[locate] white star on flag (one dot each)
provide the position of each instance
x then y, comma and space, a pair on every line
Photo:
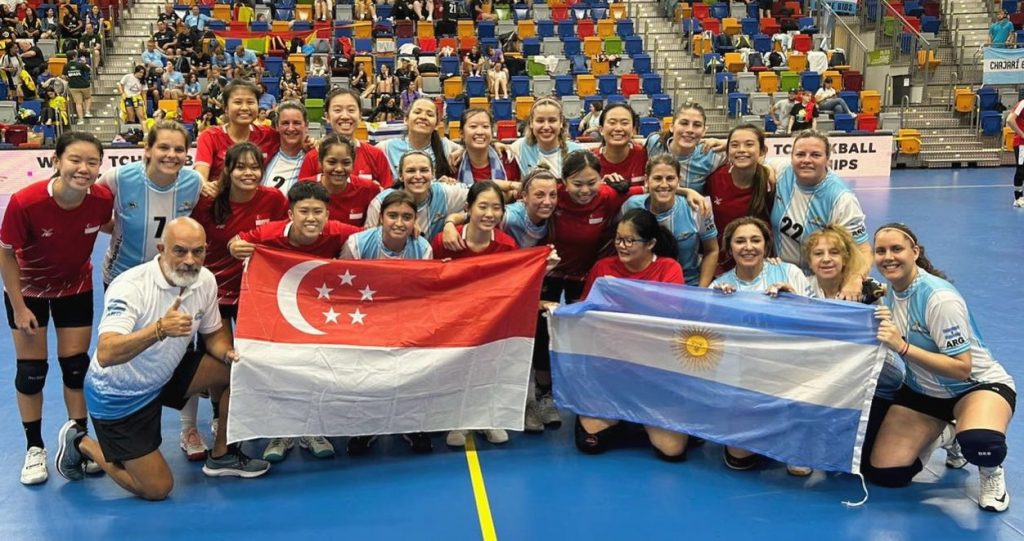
331, 316
367, 294
357, 317
324, 291
347, 277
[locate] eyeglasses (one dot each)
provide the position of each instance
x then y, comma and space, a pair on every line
626, 242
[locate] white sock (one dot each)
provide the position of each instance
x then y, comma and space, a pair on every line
189, 412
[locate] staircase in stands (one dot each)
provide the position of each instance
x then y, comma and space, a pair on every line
129, 39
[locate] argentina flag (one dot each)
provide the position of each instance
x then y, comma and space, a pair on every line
791, 378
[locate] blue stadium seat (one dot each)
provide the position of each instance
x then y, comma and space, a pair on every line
571, 46
651, 83
502, 109
607, 84
642, 63
520, 86
661, 105
649, 125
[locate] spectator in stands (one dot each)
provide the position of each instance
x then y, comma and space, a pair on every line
32, 58
165, 36
267, 101
1018, 18
131, 88
79, 77
173, 83
208, 119
90, 41
154, 85
7, 17
10, 67
322, 10
406, 74
498, 77
828, 100
387, 109
590, 124
781, 108
55, 112
409, 95
200, 62
364, 10
70, 24
1000, 30
386, 83
481, 10
50, 25
95, 16
319, 67
193, 90
30, 27
473, 62
186, 41
291, 83
262, 119
246, 62
403, 11
212, 96
494, 55
222, 61
169, 16
197, 20
804, 114
152, 57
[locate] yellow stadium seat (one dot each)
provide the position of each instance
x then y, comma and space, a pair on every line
523, 106
870, 102
452, 87
734, 62
768, 81
586, 85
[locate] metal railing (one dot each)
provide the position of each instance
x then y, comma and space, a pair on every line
854, 48
919, 44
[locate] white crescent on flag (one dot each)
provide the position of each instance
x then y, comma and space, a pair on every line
287, 296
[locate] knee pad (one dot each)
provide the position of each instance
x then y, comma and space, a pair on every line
592, 444
982, 447
893, 477
73, 369
31, 376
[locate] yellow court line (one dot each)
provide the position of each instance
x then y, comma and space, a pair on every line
483, 508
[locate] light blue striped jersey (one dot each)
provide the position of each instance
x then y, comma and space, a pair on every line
516, 223
395, 148
368, 244
687, 227
934, 317
771, 274
695, 168
282, 171
141, 210
800, 211
530, 156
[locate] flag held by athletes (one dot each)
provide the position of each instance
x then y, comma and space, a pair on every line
791, 378
345, 348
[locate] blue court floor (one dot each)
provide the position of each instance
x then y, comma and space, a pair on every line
539, 487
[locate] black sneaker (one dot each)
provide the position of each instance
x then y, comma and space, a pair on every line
745, 463
360, 445
69, 459
420, 442
236, 464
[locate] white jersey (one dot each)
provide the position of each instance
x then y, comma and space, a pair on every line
934, 317
282, 171
771, 274
136, 299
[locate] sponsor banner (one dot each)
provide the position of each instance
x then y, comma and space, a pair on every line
1003, 66
856, 157
23, 167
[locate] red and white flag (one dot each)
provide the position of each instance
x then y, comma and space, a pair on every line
346, 348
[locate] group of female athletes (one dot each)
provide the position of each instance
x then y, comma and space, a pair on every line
674, 208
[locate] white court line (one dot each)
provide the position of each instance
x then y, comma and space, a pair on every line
950, 187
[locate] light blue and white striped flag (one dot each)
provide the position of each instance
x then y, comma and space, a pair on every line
791, 378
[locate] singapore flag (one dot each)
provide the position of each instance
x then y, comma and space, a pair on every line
345, 348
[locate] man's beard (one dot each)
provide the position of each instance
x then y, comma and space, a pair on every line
179, 278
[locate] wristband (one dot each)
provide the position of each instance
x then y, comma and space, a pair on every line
160, 331
906, 348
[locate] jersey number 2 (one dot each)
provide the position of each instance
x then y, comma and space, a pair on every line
791, 229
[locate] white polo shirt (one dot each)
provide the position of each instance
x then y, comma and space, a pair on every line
137, 298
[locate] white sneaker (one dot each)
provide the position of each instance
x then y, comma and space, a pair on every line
34, 470
317, 445
547, 411
954, 456
277, 449
496, 435
456, 438
1019, 202
993, 495
192, 445
91, 467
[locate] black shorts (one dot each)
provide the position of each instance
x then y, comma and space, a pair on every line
138, 434
942, 408
70, 311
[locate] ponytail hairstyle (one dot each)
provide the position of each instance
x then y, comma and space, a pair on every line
841, 239
647, 228
761, 199
613, 106
563, 132
666, 136
766, 232
440, 161
542, 171
664, 159
221, 208
336, 139
579, 160
399, 184
814, 134
922, 261
398, 197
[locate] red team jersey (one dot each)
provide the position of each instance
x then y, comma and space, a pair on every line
633, 168
502, 242
214, 142
1019, 111
349, 205
662, 269
53, 245
484, 173
328, 246
580, 231
371, 165
728, 203
266, 206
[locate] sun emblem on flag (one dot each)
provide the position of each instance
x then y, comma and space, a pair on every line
698, 348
